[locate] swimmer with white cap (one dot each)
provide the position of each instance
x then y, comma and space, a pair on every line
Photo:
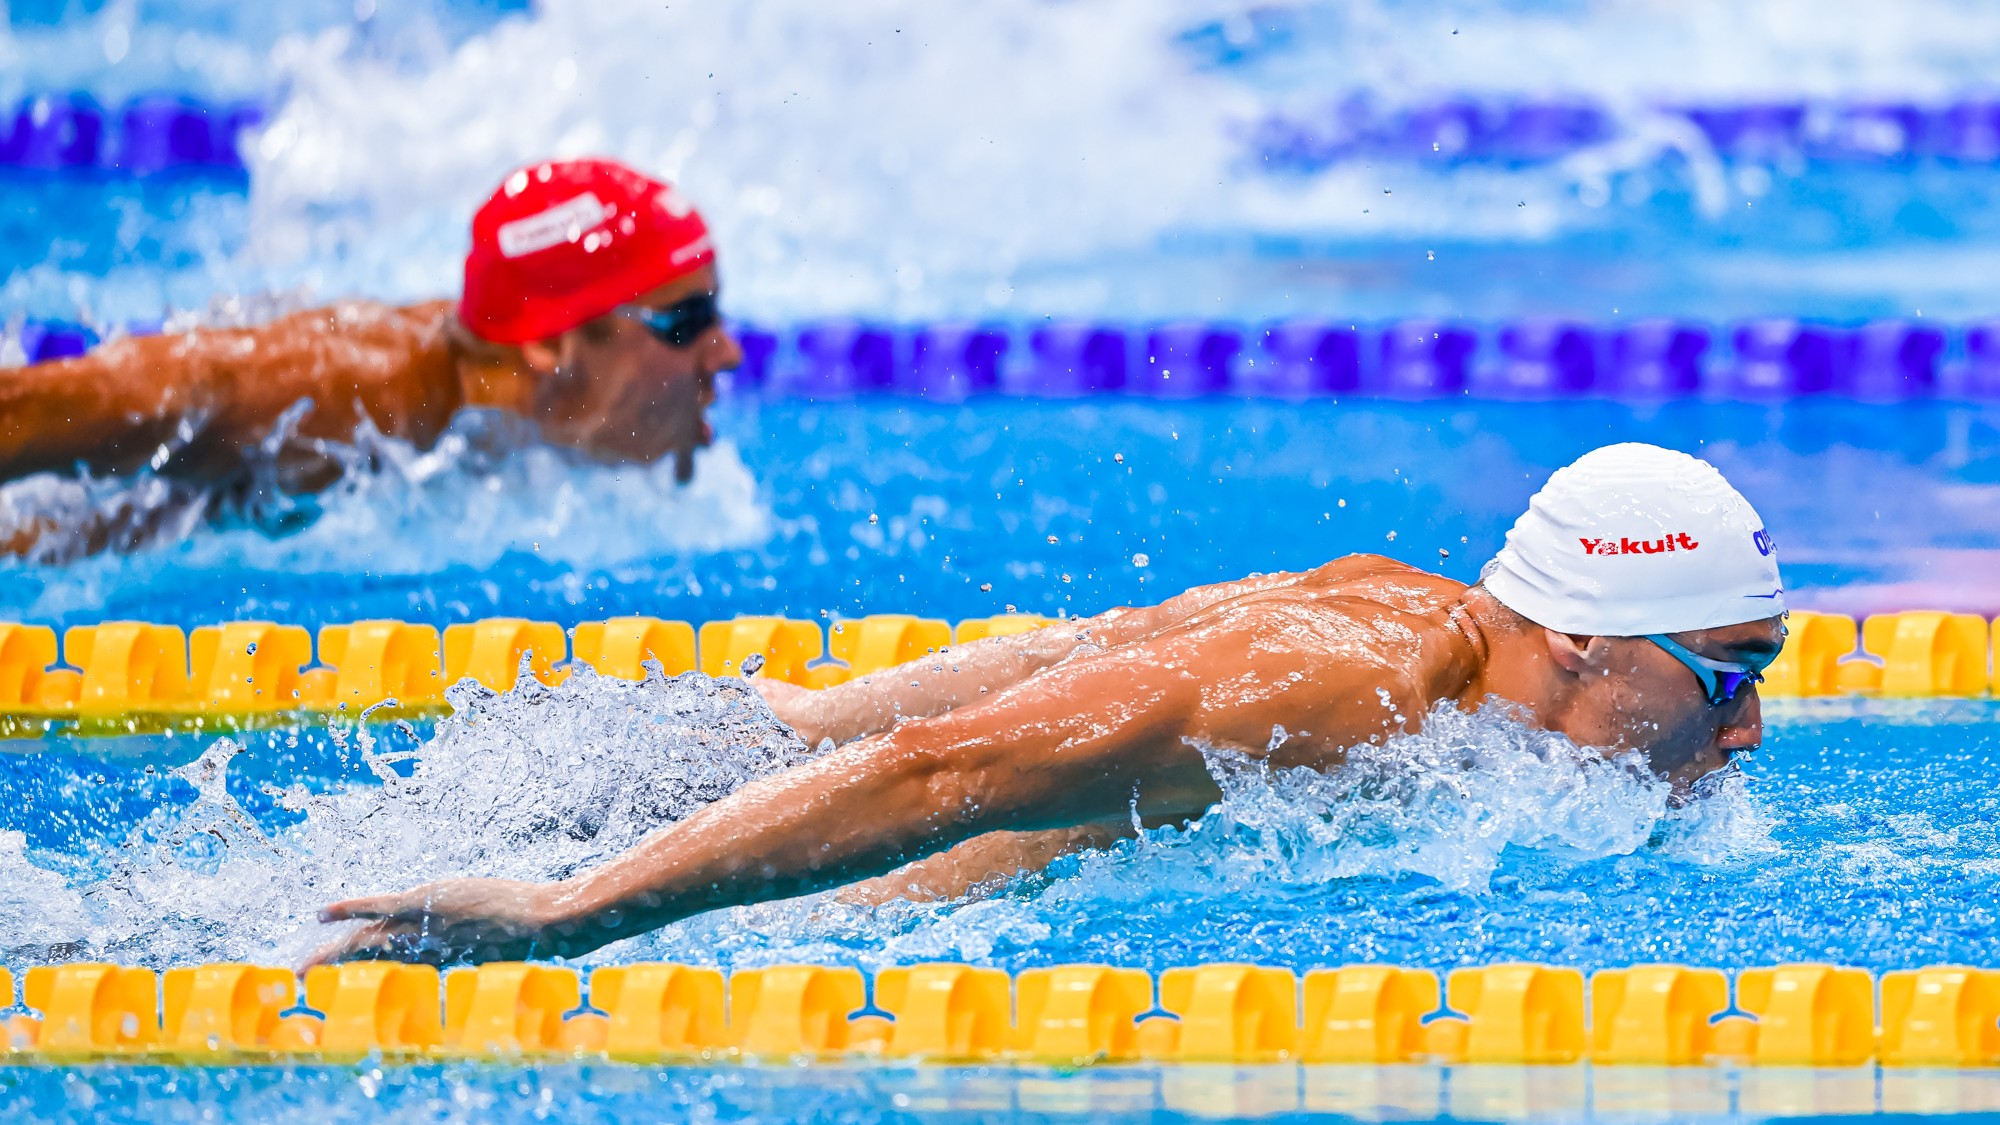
1633, 608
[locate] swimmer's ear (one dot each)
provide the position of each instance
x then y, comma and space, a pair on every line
541, 356
1574, 652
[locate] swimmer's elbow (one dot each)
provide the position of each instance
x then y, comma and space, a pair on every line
956, 785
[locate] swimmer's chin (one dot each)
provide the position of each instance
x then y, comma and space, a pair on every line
1689, 780
1686, 791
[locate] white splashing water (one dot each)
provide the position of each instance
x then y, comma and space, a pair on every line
480, 493
531, 784
500, 492
904, 158
910, 158
848, 155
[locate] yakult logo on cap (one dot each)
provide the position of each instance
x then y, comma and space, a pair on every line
1679, 541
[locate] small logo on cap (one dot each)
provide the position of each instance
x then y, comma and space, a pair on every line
565, 222
1763, 540
1679, 541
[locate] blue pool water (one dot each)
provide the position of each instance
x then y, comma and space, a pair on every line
896, 1094
892, 505
1018, 161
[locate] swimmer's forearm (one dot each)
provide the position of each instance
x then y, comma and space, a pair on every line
108, 410
1078, 745
859, 812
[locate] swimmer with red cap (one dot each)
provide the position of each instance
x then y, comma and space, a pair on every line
589, 309
1633, 609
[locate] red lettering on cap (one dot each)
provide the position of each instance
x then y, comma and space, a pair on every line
1678, 541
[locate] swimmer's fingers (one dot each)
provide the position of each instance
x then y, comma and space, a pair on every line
405, 905
792, 704
369, 942
502, 900
479, 919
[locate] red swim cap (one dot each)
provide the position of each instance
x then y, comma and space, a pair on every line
567, 241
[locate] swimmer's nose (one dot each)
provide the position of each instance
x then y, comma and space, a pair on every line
1743, 727
719, 351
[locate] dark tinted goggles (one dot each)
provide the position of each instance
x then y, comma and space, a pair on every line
680, 324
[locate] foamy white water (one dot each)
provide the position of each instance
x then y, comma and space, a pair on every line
478, 494
528, 785
916, 159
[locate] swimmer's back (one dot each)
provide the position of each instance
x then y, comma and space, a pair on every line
1398, 617
1391, 625
212, 395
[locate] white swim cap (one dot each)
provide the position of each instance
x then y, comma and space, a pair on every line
1633, 539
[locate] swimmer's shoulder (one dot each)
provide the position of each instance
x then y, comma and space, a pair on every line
368, 325
392, 363
396, 363
1411, 613
1396, 585
364, 329
1374, 582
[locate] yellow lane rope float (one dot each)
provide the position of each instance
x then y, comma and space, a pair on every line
1648, 1015
132, 673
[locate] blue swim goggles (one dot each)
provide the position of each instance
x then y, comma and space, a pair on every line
1721, 680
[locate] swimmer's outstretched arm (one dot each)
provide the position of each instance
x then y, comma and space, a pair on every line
963, 675
108, 410
210, 394
1103, 735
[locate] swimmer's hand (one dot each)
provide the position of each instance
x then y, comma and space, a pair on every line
796, 707
447, 921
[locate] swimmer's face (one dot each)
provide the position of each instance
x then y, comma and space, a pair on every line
621, 393
1635, 696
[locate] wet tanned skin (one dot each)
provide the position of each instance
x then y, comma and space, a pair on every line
211, 397
1057, 736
